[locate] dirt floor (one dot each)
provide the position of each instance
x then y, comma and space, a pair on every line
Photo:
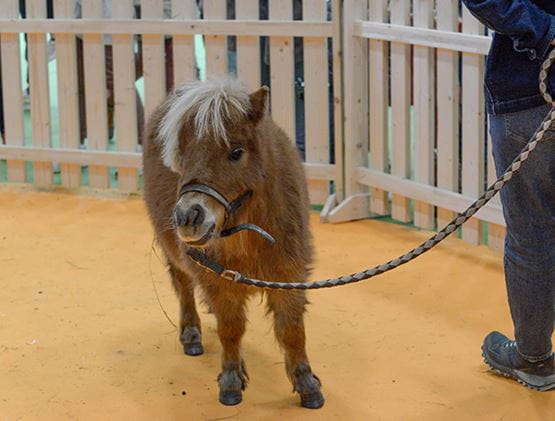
83, 337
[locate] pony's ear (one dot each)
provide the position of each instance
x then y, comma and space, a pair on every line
258, 100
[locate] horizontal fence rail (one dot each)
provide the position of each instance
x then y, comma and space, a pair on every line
170, 27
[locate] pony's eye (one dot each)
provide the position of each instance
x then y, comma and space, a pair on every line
236, 154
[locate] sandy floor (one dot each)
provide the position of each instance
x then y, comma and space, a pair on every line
82, 335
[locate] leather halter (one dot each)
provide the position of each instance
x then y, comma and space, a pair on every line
230, 208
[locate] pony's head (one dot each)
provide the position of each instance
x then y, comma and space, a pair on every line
209, 136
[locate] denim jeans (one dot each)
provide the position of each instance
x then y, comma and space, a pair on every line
529, 209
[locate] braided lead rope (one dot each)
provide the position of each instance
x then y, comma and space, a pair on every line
441, 235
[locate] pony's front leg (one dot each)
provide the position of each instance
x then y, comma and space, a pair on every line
229, 310
288, 308
189, 321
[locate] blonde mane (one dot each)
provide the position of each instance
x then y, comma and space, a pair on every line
210, 105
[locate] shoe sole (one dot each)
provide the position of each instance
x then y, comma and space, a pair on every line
507, 372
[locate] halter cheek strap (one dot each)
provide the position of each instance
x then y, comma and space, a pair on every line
230, 208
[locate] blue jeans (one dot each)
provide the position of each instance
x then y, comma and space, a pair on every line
529, 209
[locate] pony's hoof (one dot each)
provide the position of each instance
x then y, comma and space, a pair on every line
312, 400
231, 397
193, 349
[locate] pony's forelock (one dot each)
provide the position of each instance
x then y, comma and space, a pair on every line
211, 103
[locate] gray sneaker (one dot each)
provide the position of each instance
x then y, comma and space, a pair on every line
502, 356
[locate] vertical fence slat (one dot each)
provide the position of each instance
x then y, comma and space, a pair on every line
68, 95
447, 107
316, 99
11, 89
424, 111
473, 127
355, 68
400, 108
378, 68
496, 233
40, 97
216, 45
153, 59
125, 97
183, 45
95, 94
337, 52
248, 47
282, 71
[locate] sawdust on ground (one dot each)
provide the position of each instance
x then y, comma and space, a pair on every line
82, 335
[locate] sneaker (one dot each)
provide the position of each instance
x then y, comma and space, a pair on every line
502, 356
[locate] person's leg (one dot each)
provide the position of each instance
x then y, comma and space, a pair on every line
529, 209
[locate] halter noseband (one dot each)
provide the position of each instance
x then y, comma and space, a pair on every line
230, 208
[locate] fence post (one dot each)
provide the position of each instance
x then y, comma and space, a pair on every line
216, 45
184, 65
473, 127
95, 94
248, 47
424, 113
40, 96
125, 96
282, 71
316, 101
154, 59
447, 108
378, 68
400, 109
11, 90
68, 93
355, 115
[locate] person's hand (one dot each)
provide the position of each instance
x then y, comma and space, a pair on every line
553, 42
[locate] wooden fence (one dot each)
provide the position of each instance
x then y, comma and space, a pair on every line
415, 129
409, 135
101, 160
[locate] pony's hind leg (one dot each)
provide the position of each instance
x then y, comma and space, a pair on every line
189, 321
229, 310
288, 308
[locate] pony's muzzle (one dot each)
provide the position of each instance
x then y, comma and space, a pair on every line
197, 218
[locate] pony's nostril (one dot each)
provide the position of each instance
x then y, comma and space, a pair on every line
179, 217
195, 216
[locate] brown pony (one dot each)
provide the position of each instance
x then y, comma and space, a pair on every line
215, 134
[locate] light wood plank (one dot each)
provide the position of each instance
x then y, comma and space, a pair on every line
95, 94
119, 159
153, 59
184, 66
355, 67
40, 96
248, 47
400, 109
316, 100
286, 28
434, 38
445, 199
125, 98
378, 67
68, 94
282, 71
447, 108
11, 88
337, 51
473, 128
216, 45
424, 112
